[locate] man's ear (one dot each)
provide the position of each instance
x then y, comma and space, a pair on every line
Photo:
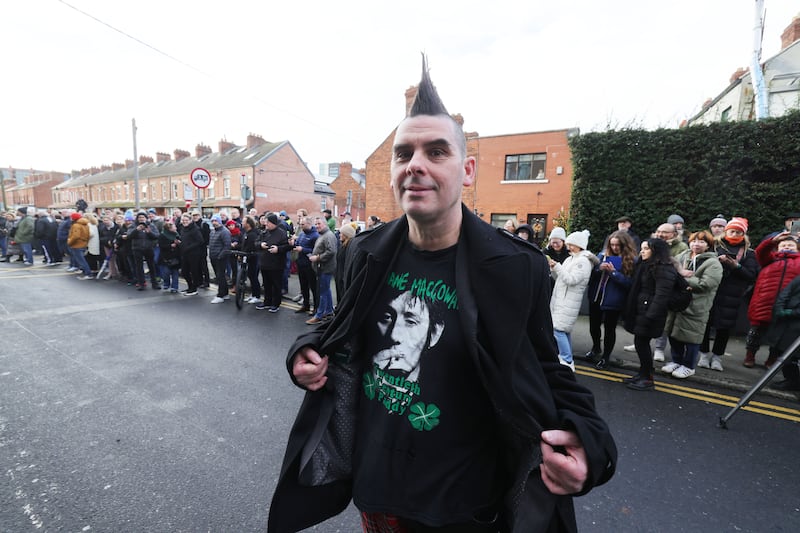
469, 171
436, 334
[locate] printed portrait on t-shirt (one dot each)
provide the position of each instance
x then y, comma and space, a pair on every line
409, 326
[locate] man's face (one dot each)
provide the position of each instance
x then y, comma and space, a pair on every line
234, 213
320, 225
186, 220
405, 326
428, 169
789, 245
306, 224
624, 225
141, 219
665, 232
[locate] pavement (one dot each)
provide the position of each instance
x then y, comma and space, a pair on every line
735, 377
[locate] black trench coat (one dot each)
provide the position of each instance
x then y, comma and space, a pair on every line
509, 337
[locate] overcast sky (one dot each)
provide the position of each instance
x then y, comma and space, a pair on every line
330, 76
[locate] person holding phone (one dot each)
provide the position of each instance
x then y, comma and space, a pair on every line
791, 223
608, 290
739, 271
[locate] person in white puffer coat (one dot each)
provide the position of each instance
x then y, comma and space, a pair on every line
571, 277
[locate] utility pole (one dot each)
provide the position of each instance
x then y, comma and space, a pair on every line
760, 96
135, 167
3, 188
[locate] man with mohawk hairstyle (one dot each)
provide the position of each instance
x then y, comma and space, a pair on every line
427, 404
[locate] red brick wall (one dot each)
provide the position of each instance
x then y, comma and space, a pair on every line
380, 201
288, 183
495, 196
341, 185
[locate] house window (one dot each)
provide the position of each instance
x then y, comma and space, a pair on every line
349, 199
499, 219
726, 114
153, 192
525, 167
163, 191
323, 204
127, 192
144, 192
226, 188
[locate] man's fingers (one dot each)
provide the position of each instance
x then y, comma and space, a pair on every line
558, 437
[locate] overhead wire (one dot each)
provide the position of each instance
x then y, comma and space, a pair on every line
252, 96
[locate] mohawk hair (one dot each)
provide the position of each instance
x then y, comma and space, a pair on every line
427, 101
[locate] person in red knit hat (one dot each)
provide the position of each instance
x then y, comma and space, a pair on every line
739, 271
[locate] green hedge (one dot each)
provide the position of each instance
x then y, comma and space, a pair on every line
749, 169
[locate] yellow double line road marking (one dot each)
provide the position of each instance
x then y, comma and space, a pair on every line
786, 413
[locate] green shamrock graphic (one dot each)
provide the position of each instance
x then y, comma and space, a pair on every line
424, 417
370, 385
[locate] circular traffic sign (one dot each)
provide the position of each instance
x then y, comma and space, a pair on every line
200, 178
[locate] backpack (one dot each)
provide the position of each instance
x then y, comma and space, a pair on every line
681, 295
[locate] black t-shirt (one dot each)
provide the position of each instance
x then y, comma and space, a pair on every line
427, 443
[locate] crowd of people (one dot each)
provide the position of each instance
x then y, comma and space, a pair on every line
637, 281
141, 247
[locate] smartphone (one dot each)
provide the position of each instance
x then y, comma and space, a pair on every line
795, 229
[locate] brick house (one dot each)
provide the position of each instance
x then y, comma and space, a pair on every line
275, 174
526, 176
35, 189
350, 189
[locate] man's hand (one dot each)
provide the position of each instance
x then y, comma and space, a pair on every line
309, 368
563, 472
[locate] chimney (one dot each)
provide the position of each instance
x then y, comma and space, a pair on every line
254, 140
118, 166
791, 33
201, 150
459, 119
162, 157
345, 169
225, 146
145, 159
411, 94
181, 154
105, 168
738, 74
707, 103
129, 163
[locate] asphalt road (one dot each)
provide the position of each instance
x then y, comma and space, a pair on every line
137, 411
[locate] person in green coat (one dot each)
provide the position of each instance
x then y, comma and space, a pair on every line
24, 235
703, 272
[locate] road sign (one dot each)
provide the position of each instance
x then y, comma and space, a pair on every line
200, 178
